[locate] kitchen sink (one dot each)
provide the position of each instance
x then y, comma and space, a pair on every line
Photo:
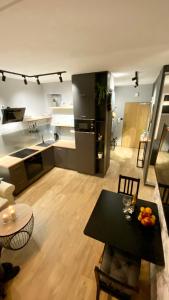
46, 143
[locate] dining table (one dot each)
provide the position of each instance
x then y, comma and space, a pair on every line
108, 224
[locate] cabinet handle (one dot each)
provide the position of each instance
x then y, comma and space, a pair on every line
83, 116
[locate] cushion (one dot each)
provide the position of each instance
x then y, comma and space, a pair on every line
125, 269
3, 203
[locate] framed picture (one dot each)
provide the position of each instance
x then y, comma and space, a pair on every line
54, 100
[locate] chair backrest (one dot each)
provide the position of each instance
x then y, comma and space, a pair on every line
128, 185
106, 283
164, 192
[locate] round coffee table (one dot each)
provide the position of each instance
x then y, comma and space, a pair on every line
15, 235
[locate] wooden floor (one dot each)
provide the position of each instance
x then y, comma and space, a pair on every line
58, 262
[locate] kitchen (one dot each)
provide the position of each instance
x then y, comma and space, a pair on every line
50, 139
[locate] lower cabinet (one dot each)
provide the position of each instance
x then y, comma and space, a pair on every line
48, 159
30, 169
65, 158
17, 176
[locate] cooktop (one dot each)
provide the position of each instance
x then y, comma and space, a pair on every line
23, 153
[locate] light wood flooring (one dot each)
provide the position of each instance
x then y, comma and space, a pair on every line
58, 261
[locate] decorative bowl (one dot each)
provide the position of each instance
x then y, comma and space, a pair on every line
146, 217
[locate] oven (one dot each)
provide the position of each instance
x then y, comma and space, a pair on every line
33, 166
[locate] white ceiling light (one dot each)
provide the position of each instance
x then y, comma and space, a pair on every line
119, 75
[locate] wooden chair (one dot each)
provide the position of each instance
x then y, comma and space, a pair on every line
117, 274
128, 185
164, 192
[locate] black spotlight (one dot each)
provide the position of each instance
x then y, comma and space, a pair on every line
135, 79
3, 77
25, 80
60, 77
37, 79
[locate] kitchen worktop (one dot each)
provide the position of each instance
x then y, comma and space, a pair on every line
8, 161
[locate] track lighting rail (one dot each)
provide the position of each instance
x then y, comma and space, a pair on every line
24, 76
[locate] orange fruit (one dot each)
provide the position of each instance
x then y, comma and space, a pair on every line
148, 210
141, 208
153, 219
143, 221
140, 216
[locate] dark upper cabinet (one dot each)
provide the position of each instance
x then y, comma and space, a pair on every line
83, 86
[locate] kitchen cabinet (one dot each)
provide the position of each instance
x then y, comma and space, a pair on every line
48, 159
16, 175
92, 100
83, 86
65, 158
86, 152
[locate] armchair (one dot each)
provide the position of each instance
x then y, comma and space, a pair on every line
6, 194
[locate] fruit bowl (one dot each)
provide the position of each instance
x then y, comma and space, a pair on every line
146, 217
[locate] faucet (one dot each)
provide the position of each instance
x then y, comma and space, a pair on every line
42, 139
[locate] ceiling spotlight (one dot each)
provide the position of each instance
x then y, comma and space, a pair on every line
25, 80
135, 78
60, 76
37, 79
3, 76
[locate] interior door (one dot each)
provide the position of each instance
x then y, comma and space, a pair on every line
136, 116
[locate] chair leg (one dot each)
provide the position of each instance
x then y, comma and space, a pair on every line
98, 293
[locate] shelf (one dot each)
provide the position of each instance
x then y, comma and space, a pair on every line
62, 125
61, 107
33, 119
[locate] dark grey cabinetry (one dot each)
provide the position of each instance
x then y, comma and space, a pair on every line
86, 149
92, 100
83, 86
48, 159
65, 158
18, 177
18, 173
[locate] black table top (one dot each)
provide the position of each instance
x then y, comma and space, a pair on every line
166, 213
108, 225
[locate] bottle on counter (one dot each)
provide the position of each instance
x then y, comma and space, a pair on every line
134, 200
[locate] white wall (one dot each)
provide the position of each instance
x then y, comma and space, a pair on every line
125, 94
62, 117
15, 93
63, 88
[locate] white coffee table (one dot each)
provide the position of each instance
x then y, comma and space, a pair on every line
15, 235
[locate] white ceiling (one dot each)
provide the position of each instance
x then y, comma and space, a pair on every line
39, 36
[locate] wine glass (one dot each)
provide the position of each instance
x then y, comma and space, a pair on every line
126, 203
